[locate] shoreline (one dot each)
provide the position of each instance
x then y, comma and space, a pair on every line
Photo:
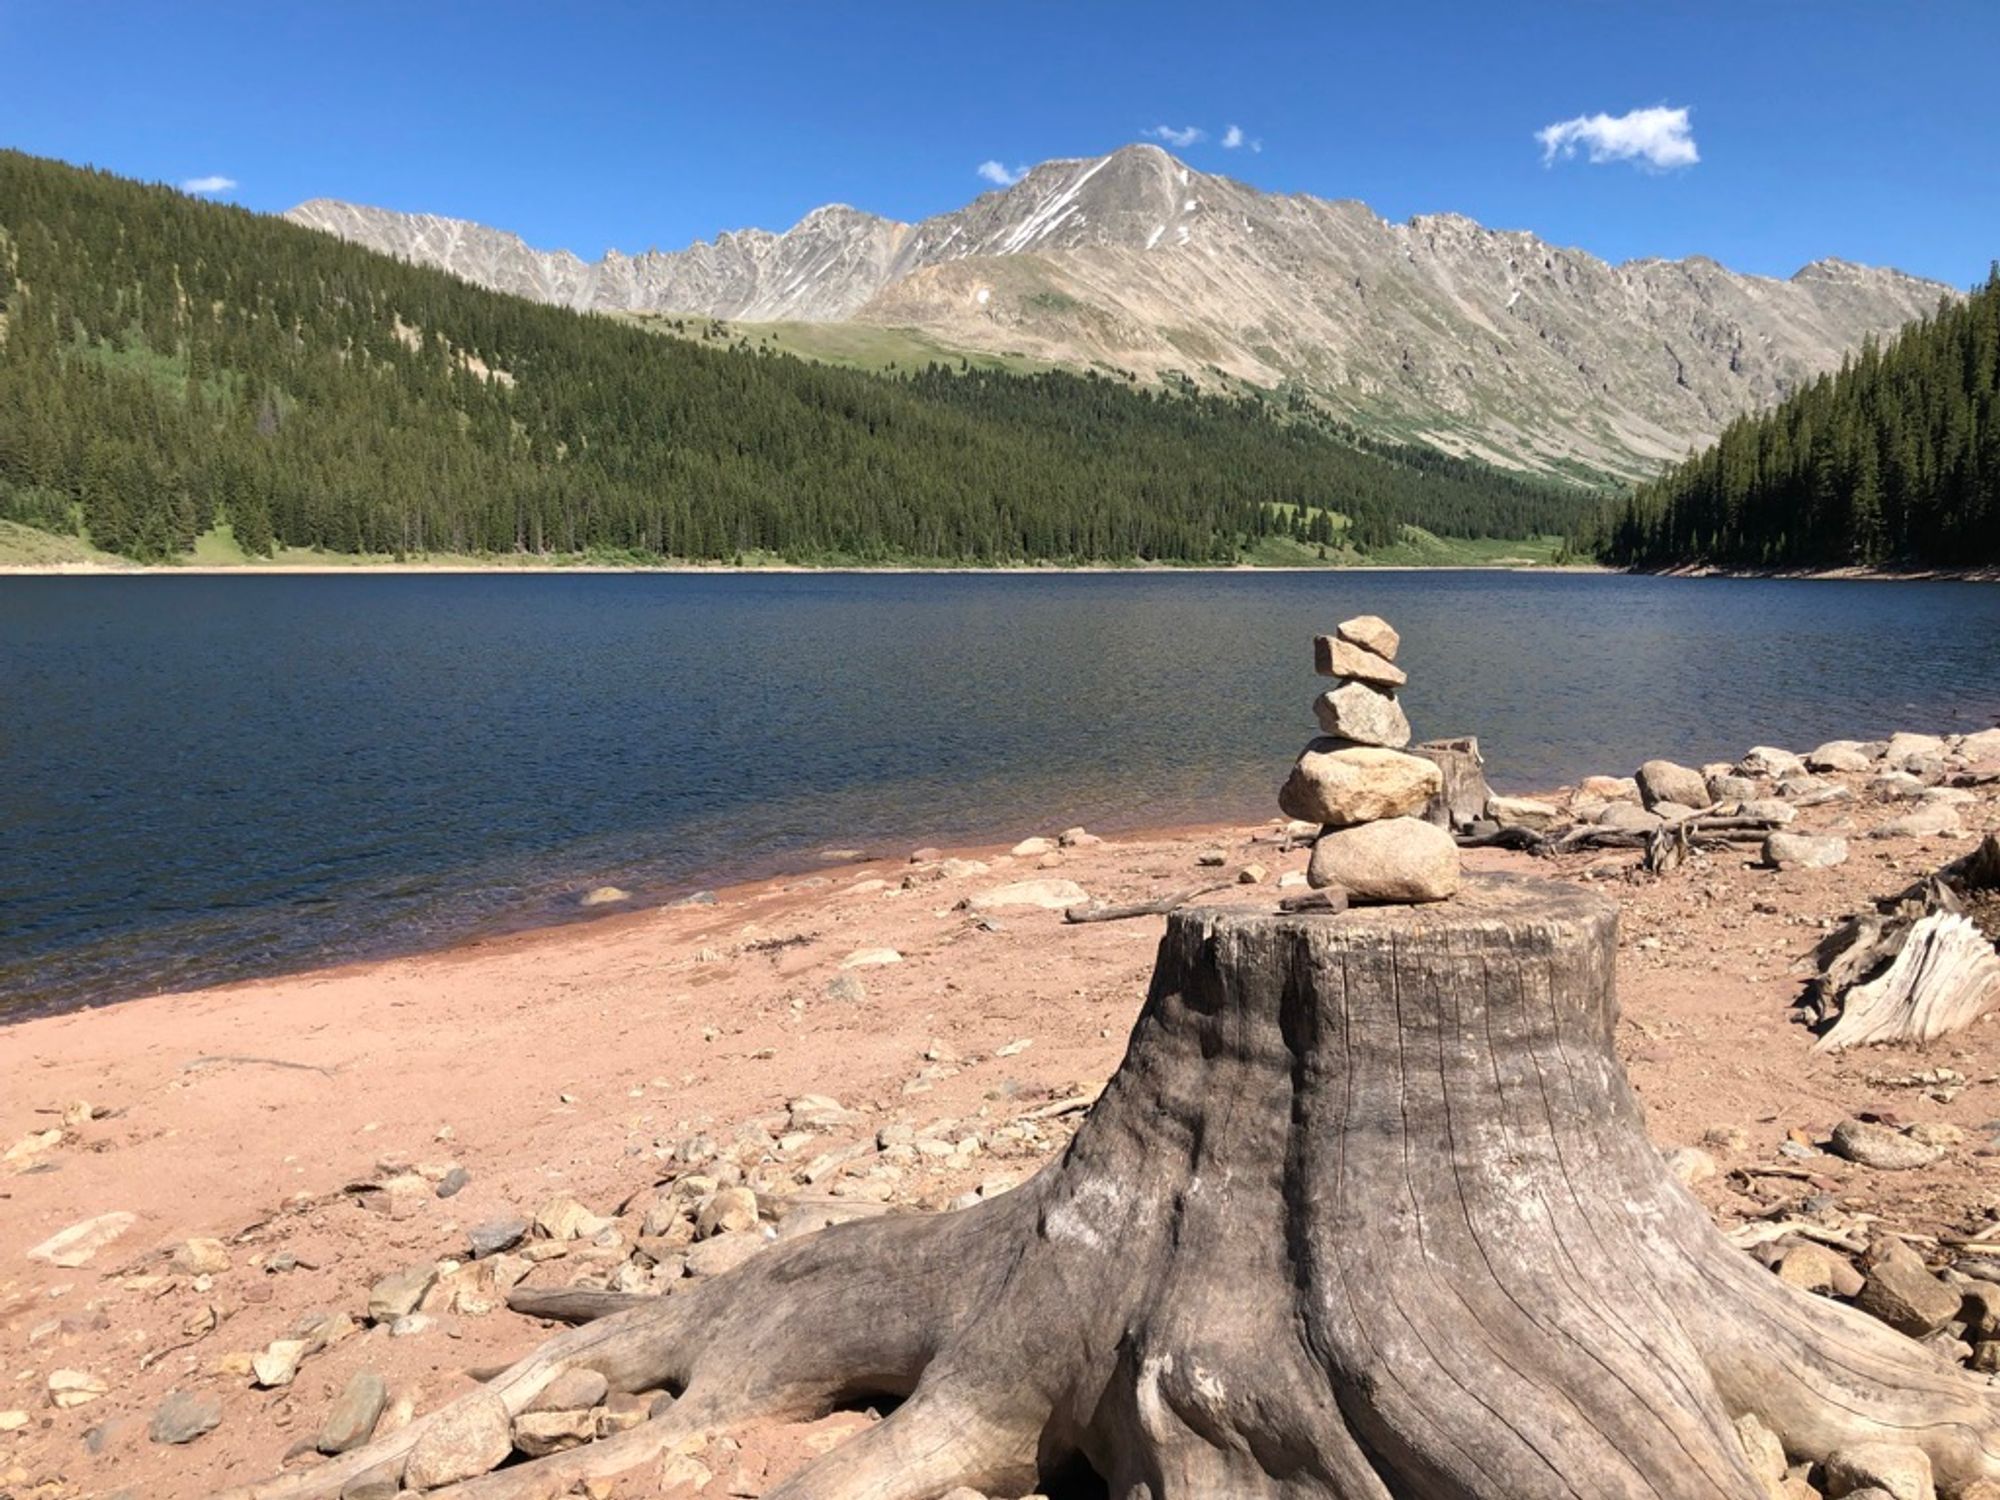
726, 570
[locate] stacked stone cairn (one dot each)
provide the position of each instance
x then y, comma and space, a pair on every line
1360, 786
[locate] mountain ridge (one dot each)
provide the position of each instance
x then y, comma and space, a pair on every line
1492, 343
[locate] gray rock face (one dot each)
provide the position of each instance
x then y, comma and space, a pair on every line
1664, 781
1364, 714
1338, 784
1488, 338
1397, 859
496, 1235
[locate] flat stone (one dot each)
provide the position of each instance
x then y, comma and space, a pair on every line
1665, 781
1028, 848
1804, 851
1050, 895
1338, 785
1078, 838
603, 895
78, 1244
1333, 657
72, 1388
1905, 747
1371, 633
1523, 812
1880, 1147
1840, 755
473, 1436
846, 987
540, 1433
1770, 809
1629, 816
400, 1293
871, 958
1674, 812
184, 1416
1982, 748
725, 1252
1364, 714
1901, 1291
573, 1390
1730, 788
1768, 760
351, 1420
1897, 1469
1396, 860
201, 1257
567, 1219
495, 1235
1927, 820
1609, 788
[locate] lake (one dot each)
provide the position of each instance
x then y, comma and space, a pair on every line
207, 778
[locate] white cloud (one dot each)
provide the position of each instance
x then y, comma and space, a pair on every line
215, 184
1001, 175
1659, 137
1234, 139
1177, 135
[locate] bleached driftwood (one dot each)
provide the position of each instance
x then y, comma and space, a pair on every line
1945, 977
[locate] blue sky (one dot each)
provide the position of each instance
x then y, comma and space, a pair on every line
1866, 131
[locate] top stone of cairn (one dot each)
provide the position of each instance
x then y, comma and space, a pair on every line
1348, 652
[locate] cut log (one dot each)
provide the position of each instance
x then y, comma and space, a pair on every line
1463, 799
1368, 1212
1945, 976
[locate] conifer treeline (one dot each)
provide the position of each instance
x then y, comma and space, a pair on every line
1895, 460
168, 363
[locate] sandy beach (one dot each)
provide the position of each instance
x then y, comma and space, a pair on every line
307, 1122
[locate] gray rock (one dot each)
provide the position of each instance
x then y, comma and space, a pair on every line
1804, 851
453, 1182
1881, 1147
1904, 748
1664, 781
1396, 860
1338, 785
1901, 1291
540, 1433
472, 1436
1364, 714
1371, 633
1927, 820
1768, 760
1630, 816
185, 1416
398, 1294
351, 1420
1896, 1469
1770, 809
1733, 788
1840, 755
725, 1252
1982, 748
1674, 812
495, 1235
1523, 812
846, 987
573, 1390
1334, 657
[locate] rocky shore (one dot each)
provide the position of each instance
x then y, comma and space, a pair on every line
248, 1226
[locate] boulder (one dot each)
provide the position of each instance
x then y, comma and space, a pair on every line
1880, 1147
1664, 781
466, 1439
1982, 748
1732, 788
1767, 760
1333, 657
1398, 859
1031, 847
1050, 895
1371, 633
1364, 714
1610, 788
1901, 1291
1337, 784
1927, 820
1804, 851
351, 1420
1814, 1268
1840, 755
1903, 748
1523, 812
1897, 1469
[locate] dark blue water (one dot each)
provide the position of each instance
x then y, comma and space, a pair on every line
207, 778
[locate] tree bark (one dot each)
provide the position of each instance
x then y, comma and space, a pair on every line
1463, 797
1367, 1212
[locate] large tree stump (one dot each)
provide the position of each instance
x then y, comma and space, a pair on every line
1368, 1211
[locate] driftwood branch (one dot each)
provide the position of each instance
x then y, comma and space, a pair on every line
1097, 912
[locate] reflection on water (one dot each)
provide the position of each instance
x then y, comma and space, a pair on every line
206, 778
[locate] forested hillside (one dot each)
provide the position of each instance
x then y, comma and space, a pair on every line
1895, 460
166, 364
